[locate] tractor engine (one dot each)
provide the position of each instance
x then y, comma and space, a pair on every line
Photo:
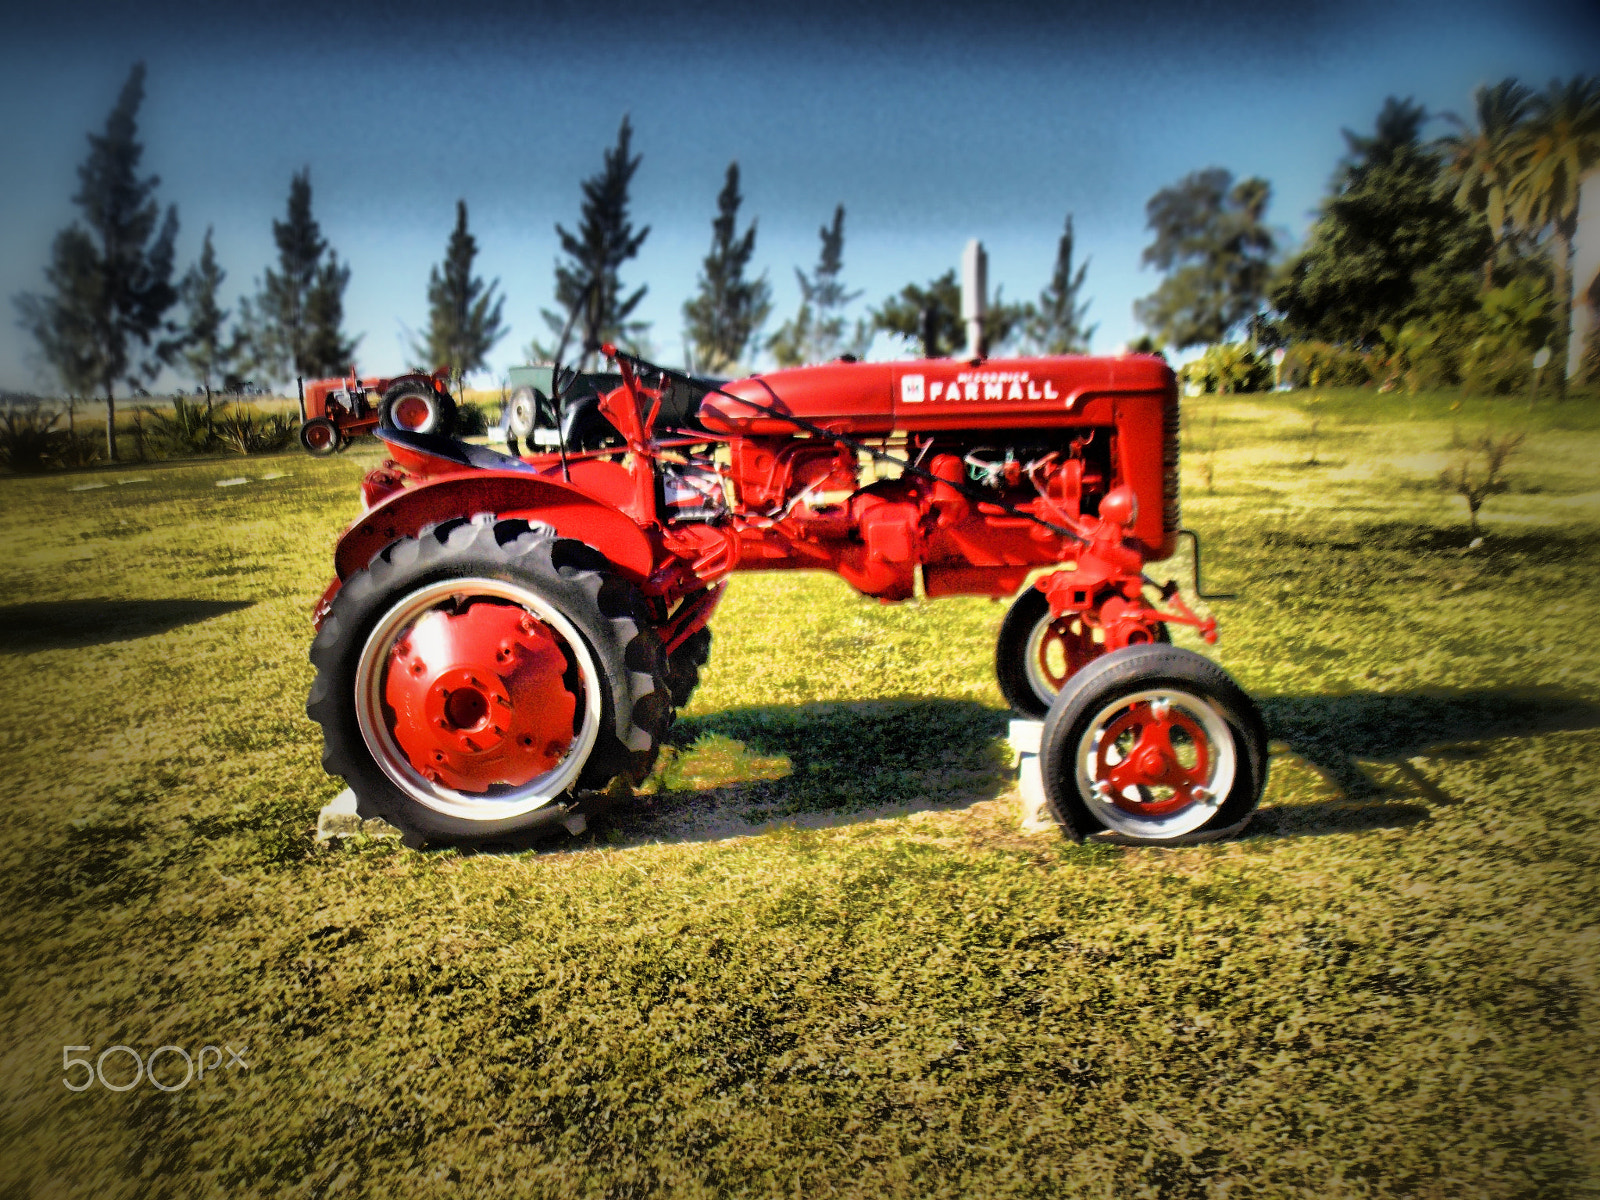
1003, 452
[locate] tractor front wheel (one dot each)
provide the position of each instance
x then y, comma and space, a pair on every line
472, 678
1153, 744
320, 436
1036, 653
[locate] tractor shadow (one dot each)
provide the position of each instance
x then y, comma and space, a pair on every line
745, 771
1335, 734
749, 770
75, 624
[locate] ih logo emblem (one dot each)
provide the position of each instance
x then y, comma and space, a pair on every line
911, 389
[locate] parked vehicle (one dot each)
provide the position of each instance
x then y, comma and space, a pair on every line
506, 633
337, 410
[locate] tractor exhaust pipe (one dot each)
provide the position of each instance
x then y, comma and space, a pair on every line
974, 288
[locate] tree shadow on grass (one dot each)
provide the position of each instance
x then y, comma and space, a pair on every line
1550, 544
72, 624
1335, 734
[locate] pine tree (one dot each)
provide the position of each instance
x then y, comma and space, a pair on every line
723, 318
817, 332
204, 349
463, 316
1217, 251
111, 283
588, 287
328, 351
298, 317
1055, 325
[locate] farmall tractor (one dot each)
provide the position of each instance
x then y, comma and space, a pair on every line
337, 410
507, 634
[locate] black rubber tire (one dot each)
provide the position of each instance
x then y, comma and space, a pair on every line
684, 663
1135, 669
607, 611
1010, 653
320, 437
585, 427
444, 406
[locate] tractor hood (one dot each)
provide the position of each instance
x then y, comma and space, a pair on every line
866, 399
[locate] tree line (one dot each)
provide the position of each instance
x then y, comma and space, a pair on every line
724, 318
110, 313
1431, 261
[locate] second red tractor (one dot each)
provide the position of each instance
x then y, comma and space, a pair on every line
336, 410
505, 634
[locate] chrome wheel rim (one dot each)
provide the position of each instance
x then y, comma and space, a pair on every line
1156, 763
376, 719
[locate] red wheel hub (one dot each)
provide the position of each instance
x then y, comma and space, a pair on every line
479, 697
1077, 649
1151, 760
411, 412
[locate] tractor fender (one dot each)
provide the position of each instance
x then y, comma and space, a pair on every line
570, 512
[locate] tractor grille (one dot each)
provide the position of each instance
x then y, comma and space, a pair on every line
1171, 430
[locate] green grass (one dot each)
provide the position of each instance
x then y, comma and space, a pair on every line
816, 956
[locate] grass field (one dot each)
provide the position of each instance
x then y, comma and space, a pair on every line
816, 956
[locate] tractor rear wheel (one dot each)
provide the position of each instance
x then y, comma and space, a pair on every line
471, 678
1153, 744
320, 436
415, 406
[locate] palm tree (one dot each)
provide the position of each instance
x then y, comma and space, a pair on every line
1479, 161
1560, 143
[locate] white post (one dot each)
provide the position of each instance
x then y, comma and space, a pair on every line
974, 286
1585, 271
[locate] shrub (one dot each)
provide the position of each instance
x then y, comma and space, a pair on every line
471, 419
189, 430
1320, 364
29, 440
1423, 356
1479, 472
245, 429
1515, 321
1229, 367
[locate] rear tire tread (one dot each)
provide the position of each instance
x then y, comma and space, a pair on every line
625, 646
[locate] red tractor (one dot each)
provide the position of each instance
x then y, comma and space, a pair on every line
337, 410
507, 633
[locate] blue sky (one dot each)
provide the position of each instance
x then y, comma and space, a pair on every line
932, 123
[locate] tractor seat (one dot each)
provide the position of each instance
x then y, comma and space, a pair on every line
465, 453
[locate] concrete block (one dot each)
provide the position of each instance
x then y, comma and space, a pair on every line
1024, 740
340, 819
